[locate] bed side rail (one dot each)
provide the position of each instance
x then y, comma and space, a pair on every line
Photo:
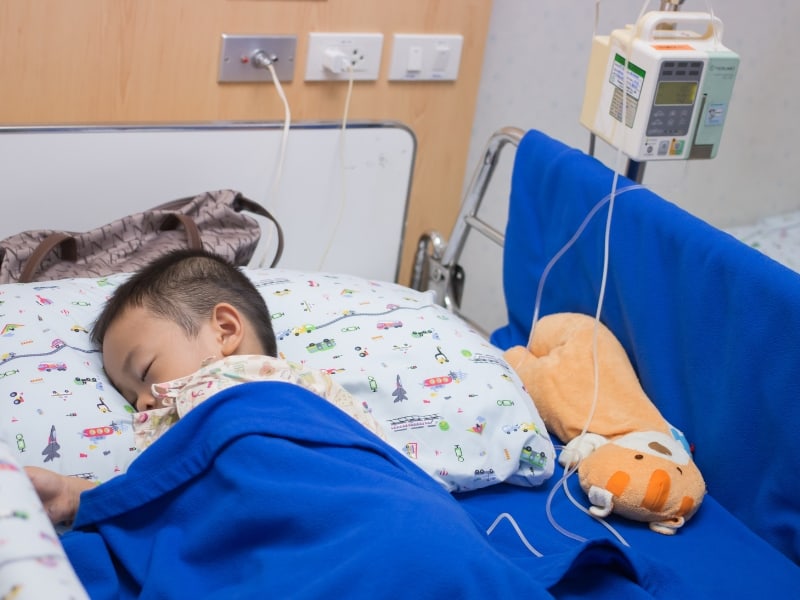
436, 260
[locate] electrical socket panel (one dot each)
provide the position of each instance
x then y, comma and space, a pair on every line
332, 55
237, 54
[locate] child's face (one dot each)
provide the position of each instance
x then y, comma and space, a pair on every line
140, 349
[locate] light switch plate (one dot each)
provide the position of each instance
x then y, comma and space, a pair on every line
425, 57
237, 52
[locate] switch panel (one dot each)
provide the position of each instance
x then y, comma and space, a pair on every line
239, 57
425, 57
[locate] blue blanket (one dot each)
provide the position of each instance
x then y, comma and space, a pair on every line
711, 326
266, 490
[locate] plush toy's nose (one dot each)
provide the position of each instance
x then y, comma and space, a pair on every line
657, 491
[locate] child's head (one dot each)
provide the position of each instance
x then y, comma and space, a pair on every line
180, 310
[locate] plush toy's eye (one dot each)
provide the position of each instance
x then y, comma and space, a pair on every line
639, 457
679, 470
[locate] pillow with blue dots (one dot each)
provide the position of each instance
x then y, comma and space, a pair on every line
444, 396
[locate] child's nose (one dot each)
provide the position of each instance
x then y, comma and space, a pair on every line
145, 401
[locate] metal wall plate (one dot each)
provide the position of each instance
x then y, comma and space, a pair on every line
238, 51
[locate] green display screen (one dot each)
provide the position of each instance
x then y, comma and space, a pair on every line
676, 92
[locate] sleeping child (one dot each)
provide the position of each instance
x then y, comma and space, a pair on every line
184, 327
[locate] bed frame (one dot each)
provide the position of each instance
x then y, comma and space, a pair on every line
710, 325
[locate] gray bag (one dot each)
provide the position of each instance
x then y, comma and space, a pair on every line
215, 221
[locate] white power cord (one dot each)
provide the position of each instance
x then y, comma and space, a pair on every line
337, 62
262, 61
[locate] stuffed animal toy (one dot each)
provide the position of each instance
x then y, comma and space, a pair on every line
631, 461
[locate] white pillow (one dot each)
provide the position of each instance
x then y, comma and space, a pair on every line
444, 396
58, 409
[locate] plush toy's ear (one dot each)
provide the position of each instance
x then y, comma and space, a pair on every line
646, 476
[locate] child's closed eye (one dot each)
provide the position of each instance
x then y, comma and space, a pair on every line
146, 371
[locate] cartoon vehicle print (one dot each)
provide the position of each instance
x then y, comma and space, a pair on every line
52, 366
479, 426
21, 445
459, 453
282, 292
283, 334
78, 329
6, 357
484, 475
99, 432
505, 403
435, 382
419, 334
85, 380
8, 373
306, 328
17, 397
9, 328
57, 343
325, 344
362, 352
535, 459
63, 395
389, 324
373, 384
525, 427
399, 392
351, 328
50, 451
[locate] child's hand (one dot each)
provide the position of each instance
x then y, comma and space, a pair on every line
59, 494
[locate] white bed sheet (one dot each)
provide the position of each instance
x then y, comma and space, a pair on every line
777, 236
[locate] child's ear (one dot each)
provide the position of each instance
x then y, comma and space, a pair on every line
229, 328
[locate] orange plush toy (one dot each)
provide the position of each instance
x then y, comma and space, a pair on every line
631, 461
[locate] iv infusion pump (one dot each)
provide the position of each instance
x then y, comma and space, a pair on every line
670, 77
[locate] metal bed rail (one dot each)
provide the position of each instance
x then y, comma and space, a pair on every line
436, 261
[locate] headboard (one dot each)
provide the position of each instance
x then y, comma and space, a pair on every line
76, 178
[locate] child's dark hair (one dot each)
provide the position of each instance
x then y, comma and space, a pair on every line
184, 286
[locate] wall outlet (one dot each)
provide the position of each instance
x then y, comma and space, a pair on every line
332, 55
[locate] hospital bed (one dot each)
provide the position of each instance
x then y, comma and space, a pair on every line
265, 489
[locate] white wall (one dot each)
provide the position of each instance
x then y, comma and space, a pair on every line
533, 77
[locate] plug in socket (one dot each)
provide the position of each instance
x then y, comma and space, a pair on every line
237, 54
332, 55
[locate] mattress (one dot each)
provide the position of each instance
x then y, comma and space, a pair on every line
777, 236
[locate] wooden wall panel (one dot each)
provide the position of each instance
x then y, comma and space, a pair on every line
137, 61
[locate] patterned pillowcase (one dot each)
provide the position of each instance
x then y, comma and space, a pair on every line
57, 408
444, 396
